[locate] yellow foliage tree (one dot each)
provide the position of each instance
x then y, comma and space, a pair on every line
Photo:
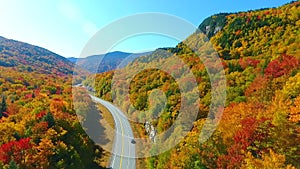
268, 161
294, 115
44, 150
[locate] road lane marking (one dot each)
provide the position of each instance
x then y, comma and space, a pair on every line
129, 147
114, 156
110, 108
118, 114
122, 152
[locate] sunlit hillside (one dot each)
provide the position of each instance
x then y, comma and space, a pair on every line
259, 128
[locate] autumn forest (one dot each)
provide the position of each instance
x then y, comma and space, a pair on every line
259, 127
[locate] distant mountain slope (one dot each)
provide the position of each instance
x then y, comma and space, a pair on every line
110, 61
32, 58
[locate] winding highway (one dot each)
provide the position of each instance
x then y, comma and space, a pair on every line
123, 153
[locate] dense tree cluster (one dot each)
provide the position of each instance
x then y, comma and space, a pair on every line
38, 126
260, 124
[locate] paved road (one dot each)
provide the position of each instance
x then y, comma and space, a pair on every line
123, 150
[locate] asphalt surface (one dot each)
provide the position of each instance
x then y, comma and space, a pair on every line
123, 153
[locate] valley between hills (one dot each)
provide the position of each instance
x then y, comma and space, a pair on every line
259, 50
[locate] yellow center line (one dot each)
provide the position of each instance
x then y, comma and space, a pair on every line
121, 157
122, 152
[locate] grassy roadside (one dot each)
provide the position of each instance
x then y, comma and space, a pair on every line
107, 122
106, 116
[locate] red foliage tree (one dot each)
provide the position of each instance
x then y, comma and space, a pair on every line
41, 114
248, 62
14, 150
249, 138
281, 66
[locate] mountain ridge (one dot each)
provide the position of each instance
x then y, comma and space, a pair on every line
109, 61
29, 57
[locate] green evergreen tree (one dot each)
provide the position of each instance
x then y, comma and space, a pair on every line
13, 165
49, 119
3, 106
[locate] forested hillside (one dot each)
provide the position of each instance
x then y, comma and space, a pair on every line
260, 124
33, 58
38, 125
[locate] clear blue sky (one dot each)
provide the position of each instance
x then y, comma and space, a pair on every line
65, 26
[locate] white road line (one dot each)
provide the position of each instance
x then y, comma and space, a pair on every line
126, 132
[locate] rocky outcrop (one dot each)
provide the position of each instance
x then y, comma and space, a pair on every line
151, 131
